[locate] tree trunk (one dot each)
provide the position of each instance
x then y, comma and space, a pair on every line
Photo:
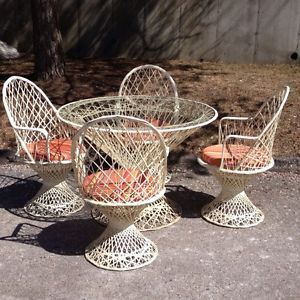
47, 40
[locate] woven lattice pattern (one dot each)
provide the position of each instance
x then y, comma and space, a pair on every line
148, 80
174, 126
159, 214
120, 161
58, 201
232, 208
256, 132
55, 198
43, 142
152, 80
32, 116
124, 250
247, 150
120, 165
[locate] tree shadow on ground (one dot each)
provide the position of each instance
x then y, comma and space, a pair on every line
190, 201
69, 237
16, 192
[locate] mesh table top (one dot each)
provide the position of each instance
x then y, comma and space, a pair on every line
175, 118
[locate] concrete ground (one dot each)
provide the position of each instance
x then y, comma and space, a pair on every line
197, 260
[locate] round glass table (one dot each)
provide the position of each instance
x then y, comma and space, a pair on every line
175, 118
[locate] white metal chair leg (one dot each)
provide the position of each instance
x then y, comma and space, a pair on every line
232, 207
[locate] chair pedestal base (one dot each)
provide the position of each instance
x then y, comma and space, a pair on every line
98, 216
232, 207
57, 201
55, 198
161, 213
121, 246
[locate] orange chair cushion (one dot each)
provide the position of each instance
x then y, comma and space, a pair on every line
60, 149
148, 136
158, 123
117, 185
213, 154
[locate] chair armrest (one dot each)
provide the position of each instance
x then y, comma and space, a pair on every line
41, 130
24, 145
238, 161
232, 125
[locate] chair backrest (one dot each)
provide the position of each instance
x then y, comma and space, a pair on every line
263, 125
28, 108
267, 118
119, 159
148, 80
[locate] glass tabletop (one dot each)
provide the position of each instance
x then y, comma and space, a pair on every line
175, 118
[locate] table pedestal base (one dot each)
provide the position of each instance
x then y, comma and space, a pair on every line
121, 246
161, 213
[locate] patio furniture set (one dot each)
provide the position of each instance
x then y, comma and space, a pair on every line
118, 148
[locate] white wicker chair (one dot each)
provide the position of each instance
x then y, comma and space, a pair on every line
44, 143
244, 150
120, 166
148, 80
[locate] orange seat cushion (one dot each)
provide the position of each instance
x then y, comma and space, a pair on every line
148, 136
120, 185
213, 154
60, 149
158, 123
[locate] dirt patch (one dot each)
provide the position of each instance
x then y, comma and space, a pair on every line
233, 89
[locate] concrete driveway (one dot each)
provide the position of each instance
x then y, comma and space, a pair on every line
197, 260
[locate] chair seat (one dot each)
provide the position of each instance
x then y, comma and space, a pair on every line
117, 185
60, 149
213, 155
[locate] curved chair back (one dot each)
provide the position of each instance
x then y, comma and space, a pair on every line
148, 80
267, 118
254, 145
31, 114
119, 160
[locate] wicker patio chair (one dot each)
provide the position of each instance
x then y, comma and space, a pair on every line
120, 166
244, 150
44, 143
148, 80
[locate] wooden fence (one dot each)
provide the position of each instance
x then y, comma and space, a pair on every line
242, 31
